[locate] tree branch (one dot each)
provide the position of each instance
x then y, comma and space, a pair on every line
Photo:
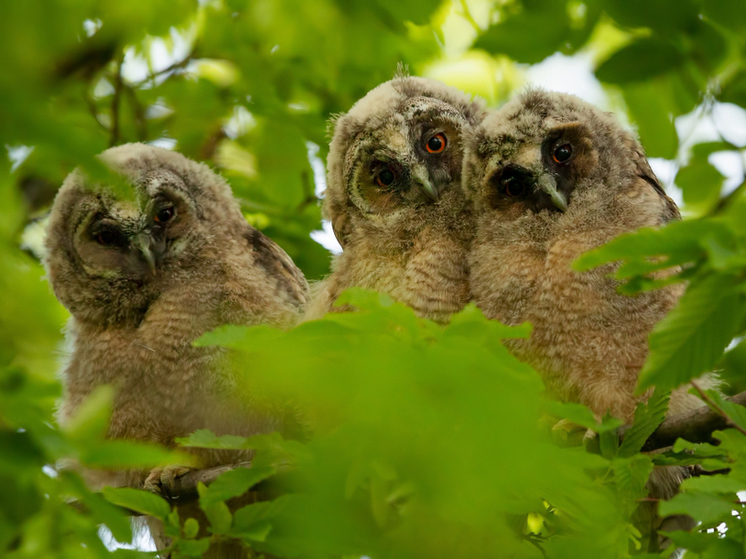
695, 426
184, 489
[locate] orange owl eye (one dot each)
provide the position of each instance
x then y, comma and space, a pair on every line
436, 144
164, 214
386, 178
513, 187
562, 153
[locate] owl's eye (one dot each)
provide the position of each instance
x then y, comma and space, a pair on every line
108, 237
562, 153
386, 178
513, 187
164, 214
437, 143
514, 181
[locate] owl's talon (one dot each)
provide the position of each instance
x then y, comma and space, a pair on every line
161, 480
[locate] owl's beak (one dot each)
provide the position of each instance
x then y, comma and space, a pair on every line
549, 185
422, 178
143, 242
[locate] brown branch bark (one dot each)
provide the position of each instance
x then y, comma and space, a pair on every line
695, 426
184, 489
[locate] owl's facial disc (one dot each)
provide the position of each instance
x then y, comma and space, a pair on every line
123, 241
542, 175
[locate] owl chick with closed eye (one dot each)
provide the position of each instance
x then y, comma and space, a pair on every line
145, 277
394, 200
552, 177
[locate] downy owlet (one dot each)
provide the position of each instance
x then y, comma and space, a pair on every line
552, 177
146, 276
393, 197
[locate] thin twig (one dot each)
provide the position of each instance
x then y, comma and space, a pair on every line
140, 121
114, 140
92, 108
717, 408
173, 67
466, 13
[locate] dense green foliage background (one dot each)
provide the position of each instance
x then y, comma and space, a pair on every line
430, 441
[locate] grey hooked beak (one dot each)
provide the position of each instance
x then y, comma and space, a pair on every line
422, 178
548, 185
143, 242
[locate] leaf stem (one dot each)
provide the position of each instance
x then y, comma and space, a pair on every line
466, 13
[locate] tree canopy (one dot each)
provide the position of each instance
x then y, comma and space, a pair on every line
429, 441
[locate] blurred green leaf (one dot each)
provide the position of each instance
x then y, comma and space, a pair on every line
137, 500
647, 418
691, 339
645, 58
234, 483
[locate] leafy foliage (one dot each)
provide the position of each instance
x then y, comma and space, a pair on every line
429, 441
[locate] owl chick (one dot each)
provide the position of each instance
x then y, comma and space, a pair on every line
552, 177
394, 200
143, 278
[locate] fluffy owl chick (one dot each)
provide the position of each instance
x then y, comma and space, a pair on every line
394, 199
553, 177
144, 277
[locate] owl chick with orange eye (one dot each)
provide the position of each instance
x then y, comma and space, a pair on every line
394, 197
552, 177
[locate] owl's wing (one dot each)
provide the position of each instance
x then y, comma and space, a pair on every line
645, 172
278, 265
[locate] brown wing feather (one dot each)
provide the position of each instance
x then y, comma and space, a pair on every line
645, 172
278, 265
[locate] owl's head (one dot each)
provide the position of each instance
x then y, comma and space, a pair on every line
110, 256
545, 150
398, 149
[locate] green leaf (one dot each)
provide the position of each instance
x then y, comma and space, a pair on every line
653, 106
581, 415
693, 336
647, 418
256, 533
253, 522
204, 438
701, 184
609, 443
194, 548
648, 250
705, 507
631, 475
645, 58
101, 509
91, 419
696, 542
538, 29
122, 454
137, 500
191, 528
217, 511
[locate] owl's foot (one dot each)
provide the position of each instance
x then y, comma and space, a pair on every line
162, 481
